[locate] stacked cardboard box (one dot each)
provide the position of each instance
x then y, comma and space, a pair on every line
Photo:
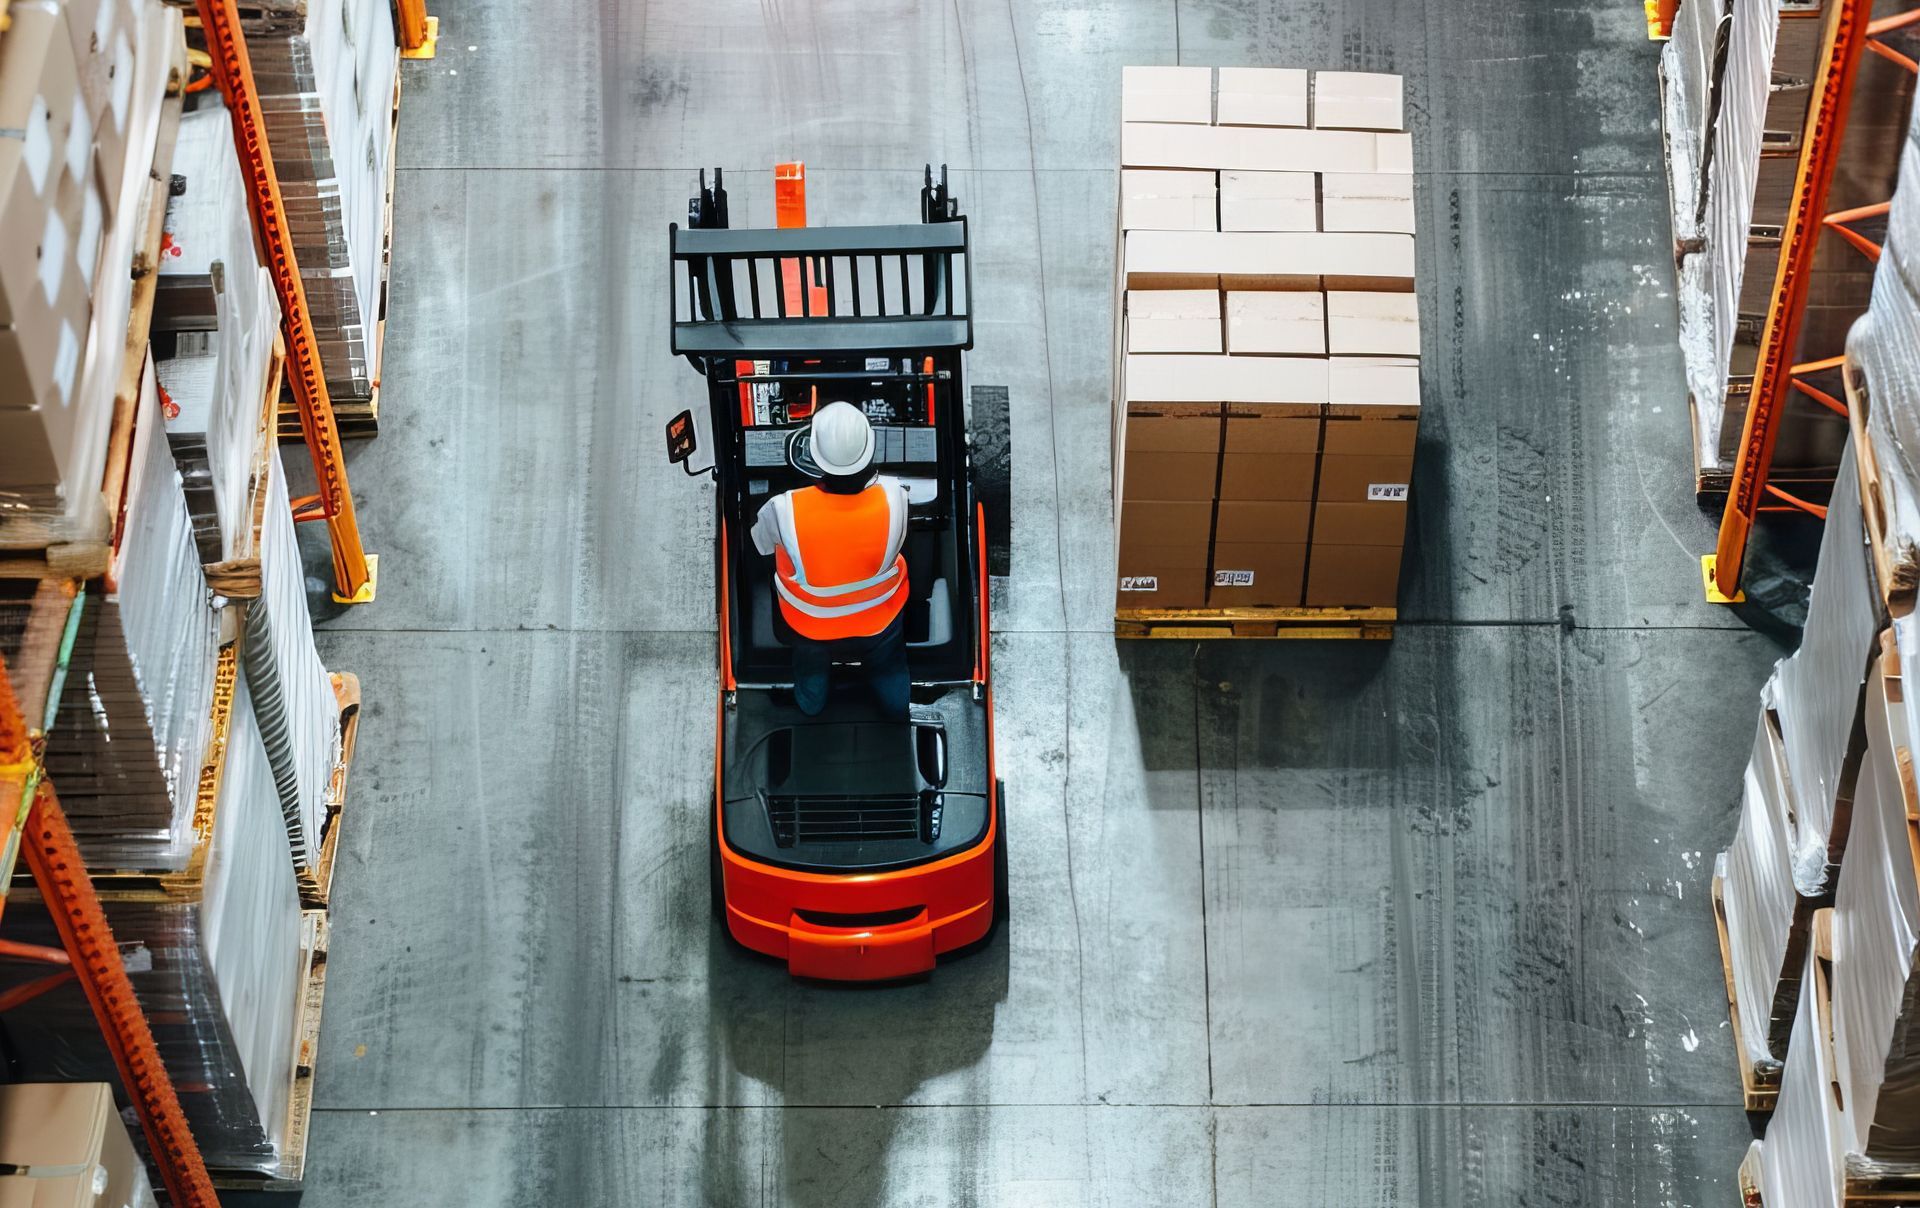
81, 87
63, 1145
1267, 383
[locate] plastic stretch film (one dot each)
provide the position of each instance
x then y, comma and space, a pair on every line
299, 714
1885, 350
1818, 689
1800, 1154
127, 746
1768, 921
325, 71
1691, 69
219, 299
218, 972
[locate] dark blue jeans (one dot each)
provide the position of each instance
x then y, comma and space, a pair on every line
882, 661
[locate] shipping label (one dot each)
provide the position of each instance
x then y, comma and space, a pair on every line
1391, 492
1233, 578
1139, 583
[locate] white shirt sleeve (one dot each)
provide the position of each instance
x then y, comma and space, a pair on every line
766, 530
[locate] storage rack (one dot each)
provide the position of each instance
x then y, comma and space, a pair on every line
1848, 32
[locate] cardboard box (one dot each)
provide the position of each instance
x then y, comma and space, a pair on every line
1353, 576
1262, 148
1256, 522
1166, 94
1161, 524
1257, 575
1367, 201
1276, 323
1378, 523
1193, 378
1357, 100
1174, 320
1364, 478
1270, 453
40, 357
1373, 384
1300, 256
1389, 433
1268, 201
1261, 96
1168, 199
69, 1126
35, 446
1171, 453
1372, 325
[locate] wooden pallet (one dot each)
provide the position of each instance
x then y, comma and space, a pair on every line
1372, 624
1758, 1095
353, 418
291, 1170
316, 884
239, 578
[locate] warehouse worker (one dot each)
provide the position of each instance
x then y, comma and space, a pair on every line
839, 572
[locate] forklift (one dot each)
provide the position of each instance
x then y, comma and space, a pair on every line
850, 846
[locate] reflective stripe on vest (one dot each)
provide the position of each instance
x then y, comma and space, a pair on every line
839, 572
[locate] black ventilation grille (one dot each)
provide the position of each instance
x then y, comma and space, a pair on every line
842, 819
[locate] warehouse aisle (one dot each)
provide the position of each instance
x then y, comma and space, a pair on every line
1293, 924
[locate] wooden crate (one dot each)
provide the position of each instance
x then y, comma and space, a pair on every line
354, 418
1371, 624
292, 1168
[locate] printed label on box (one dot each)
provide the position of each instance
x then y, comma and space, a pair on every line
1139, 583
1233, 578
1392, 492
762, 368
878, 364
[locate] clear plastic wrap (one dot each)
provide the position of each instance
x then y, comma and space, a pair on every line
293, 695
217, 970
325, 70
1768, 921
1692, 76
1876, 926
1885, 350
1818, 689
1801, 1154
132, 729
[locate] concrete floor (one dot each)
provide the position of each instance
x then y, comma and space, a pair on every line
1334, 925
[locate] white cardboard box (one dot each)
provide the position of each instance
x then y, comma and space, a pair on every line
1367, 201
1374, 325
1277, 322
1359, 382
1268, 201
1261, 96
1357, 100
1166, 94
1173, 320
1168, 199
1278, 254
1214, 379
1262, 148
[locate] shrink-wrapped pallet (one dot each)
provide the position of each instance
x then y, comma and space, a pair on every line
326, 71
1847, 1125
1767, 918
219, 299
216, 966
132, 729
293, 695
1690, 68
71, 511
1884, 351
1817, 691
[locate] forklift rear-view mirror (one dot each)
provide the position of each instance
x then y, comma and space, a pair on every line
681, 439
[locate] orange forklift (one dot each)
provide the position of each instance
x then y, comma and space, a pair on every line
850, 846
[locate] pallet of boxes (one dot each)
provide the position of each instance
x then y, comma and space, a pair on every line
1266, 367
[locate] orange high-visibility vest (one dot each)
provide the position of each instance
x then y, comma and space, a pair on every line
838, 568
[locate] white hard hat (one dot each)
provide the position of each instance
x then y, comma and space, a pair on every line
842, 441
